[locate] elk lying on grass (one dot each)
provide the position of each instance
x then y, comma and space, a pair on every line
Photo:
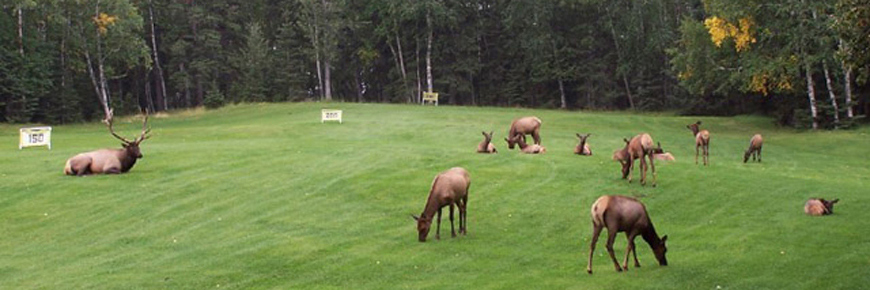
583, 147
702, 140
660, 154
624, 214
523, 126
449, 187
639, 147
754, 148
819, 206
486, 145
526, 148
109, 161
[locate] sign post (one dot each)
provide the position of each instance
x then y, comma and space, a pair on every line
34, 136
431, 97
330, 115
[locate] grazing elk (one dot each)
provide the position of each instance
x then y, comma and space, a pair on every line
486, 146
109, 161
526, 148
754, 147
624, 214
639, 147
819, 206
702, 140
622, 156
523, 126
583, 147
449, 187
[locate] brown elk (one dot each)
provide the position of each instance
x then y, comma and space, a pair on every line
583, 147
523, 126
660, 154
449, 188
639, 147
754, 147
819, 206
109, 161
622, 156
486, 146
702, 141
526, 148
624, 214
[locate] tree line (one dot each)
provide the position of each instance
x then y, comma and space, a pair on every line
804, 62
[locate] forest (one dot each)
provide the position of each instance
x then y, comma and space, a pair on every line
804, 63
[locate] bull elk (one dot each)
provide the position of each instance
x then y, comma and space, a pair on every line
486, 146
521, 127
109, 161
526, 148
624, 214
702, 141
754, 148
819, 206
583, 147
449, 188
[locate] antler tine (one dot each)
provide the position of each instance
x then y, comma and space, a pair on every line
108, 121
145, 129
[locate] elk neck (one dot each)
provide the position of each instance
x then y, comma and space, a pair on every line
650, 236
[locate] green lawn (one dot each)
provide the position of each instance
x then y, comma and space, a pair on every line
264, 196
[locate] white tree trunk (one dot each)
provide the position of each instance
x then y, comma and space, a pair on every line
429, 54
811, 95
562, 93
831, 93
402, 67
161, 98
848, 89
327, 84
20, 30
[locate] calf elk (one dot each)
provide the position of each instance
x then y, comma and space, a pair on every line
819, 206
526, 148
583, 147
660, 154
486, 146
109, 161
702, 141
523, 126
449, 188
754, 148
624, 214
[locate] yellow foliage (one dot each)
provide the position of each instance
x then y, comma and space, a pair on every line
103, 21
759, 84
720, 29
685, 75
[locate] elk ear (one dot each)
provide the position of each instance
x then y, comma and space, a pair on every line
490, 133
664, 239
578, 136
415, 217
588, 134
835, 200
699, 122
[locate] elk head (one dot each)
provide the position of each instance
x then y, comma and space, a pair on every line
658, 150
423, 225
488, 137
695, 128
829, 204
131, 147
659, 250
511, 141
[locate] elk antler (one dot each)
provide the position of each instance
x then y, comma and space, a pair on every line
145, 129
109, 118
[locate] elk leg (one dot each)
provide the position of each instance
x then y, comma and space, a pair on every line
629, 250
537, 136
611, 235
696, 153
706, 153
595, 232
759, 155
452, 231
463, 215
630, 168
643, 169
438, 229
652, 165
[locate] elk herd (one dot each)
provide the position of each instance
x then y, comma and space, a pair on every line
451, 188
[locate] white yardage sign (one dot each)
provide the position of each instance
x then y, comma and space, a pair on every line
330, 115
34, 136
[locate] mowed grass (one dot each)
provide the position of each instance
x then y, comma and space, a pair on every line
264, 196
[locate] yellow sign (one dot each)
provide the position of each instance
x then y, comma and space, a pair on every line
35, 136
330, 115
431, 97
